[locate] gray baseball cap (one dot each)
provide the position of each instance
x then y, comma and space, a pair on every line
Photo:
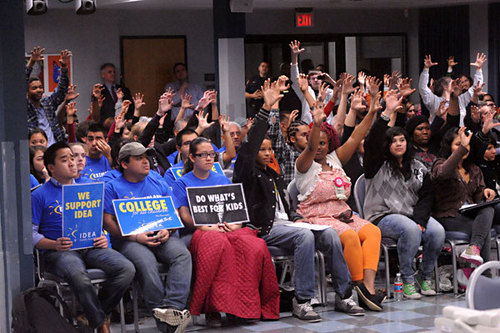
131, 149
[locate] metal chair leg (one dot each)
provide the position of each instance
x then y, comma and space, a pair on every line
122, 316
454, 262
387, 271
135, 302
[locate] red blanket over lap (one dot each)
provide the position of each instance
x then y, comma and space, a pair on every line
234, 274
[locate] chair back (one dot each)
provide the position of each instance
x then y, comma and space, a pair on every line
359, 194
483, 293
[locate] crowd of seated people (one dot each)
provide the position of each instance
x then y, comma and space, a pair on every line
420, 169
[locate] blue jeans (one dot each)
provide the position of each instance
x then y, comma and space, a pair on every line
72, 266
172, 253
408, 236
303, 243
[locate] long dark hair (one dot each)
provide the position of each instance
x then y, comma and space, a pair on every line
193, 148
33, 150
405, 169
445, 148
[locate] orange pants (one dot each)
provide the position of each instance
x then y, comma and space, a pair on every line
361, 249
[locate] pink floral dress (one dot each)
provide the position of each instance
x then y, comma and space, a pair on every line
323, 206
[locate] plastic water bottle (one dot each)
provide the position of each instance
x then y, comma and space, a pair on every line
398, 287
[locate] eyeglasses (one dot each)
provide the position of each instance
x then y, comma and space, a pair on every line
205, 155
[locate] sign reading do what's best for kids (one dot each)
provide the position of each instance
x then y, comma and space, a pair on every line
139, 215
210, 205
82, 213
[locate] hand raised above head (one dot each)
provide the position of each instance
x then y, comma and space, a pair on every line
428, 62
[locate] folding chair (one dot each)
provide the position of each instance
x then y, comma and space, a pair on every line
97, 277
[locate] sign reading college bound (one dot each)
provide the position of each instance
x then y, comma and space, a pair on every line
210, 205
82, 213
139, 215
177, 171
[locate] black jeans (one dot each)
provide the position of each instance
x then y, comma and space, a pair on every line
476, 224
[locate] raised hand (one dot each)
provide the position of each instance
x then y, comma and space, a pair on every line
138, 100
97, 90
428, 62
203, 123
293, 116
488, 123
394, 79
186, 101
318, 115
475, 114
478, 89
224, 122
480, 60
36, 55
303, 82
204, 101
347, 87
464, 138
282, 83
165, 103
361, 78
120, 94
322, 92
404, 87
71, 94
375, 103
387, 77
357, 101
119, 122
373, 85
70, 112
104, 148
271, 93
393, 101
451, 62
257, 94
213, 96
125, 105
65, 56
295, 47
442, 109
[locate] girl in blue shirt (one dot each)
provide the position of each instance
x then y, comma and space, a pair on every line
235, 270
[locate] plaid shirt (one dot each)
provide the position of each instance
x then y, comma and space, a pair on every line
285, 154
49, 105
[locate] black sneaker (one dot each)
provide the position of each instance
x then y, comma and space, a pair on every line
367, 300
348, 305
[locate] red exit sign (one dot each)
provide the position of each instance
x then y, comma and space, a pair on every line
303, 20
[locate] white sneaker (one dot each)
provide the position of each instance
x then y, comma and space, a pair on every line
177, 320
304, 311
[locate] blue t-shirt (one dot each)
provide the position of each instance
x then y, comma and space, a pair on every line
120, 188
190, 180
46, 210
169, 177
33, 181
115, 173
171, 157
96, 168
83, 180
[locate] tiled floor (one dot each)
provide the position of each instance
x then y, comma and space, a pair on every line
405, 316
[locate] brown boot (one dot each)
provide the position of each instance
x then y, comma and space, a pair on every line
105, 328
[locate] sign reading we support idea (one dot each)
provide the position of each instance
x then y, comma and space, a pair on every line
82, 213
139, 215
210, 205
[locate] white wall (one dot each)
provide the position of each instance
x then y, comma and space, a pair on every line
95, 39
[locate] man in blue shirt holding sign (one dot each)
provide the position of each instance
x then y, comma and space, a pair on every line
71, 265
147, 249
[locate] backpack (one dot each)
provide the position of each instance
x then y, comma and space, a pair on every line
35, 311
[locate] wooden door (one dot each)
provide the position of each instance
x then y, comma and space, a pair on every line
147, 65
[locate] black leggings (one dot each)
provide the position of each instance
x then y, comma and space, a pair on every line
476, 224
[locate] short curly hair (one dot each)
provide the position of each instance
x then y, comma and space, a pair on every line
331, 133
